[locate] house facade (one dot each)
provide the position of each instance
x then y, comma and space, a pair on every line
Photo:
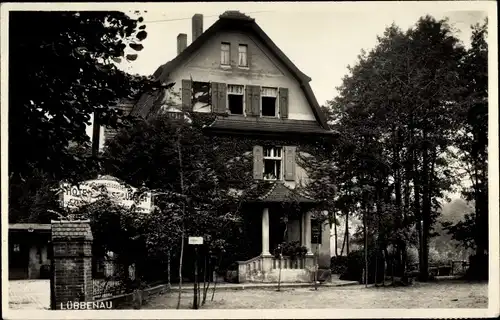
255, 91
29, 251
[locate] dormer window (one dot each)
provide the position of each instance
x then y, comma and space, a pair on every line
269, 106
242, 55
272, 163
225, 54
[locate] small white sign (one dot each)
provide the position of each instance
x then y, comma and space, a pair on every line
195, 240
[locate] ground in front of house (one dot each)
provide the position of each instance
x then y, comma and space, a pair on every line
35, 294
29, 294
444, 294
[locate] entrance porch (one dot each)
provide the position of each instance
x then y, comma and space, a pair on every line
274, 231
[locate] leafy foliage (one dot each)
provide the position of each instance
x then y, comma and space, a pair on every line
472, 142
397, 123
63, 73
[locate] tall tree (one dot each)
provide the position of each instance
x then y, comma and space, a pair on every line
472, 143
60, 74
395, 115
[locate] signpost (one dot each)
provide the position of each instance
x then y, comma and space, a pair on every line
195, 241
316, 238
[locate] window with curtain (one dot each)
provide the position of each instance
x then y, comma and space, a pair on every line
225, 54
273, 157
242, 55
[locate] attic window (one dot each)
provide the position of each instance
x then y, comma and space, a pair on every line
269, 105
242, 55
225, 54
235, 99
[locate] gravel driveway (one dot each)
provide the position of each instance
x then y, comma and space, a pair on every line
446, 294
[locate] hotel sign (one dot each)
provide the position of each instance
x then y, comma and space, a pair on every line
75, 196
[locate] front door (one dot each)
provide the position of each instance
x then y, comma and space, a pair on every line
18, 260
276, 229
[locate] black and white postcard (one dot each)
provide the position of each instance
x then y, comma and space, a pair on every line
249, 160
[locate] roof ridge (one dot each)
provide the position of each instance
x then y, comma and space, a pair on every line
274, 184
235, 14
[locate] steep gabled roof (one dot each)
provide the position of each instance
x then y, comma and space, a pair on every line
231, 20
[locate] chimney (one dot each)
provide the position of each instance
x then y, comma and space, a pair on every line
182, 39
197, 26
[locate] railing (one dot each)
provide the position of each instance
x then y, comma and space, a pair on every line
455, 267
108, 287
289, 263
110, 279
252, 265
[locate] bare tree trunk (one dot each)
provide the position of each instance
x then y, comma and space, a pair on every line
180, 269
366, 246
335, 233
347, 232
384, 257
206, 284
168, 269
343, 244
215, 283
181, 176
281, 254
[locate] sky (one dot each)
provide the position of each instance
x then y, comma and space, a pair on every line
322, 39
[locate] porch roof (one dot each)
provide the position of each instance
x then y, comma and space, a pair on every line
30, 227
279, 192
246, 125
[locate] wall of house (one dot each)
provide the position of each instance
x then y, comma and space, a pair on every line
293, 232
263, 70
323, 249
37, 258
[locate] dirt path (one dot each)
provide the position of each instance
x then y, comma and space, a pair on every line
453, 294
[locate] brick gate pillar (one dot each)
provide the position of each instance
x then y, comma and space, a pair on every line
72, 265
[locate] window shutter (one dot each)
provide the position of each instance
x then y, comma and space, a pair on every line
290, 163
248, 101
258, 162
187, 95
222, 98
256, 100
214, 99
283, 96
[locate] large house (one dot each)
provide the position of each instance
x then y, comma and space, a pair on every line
255, 90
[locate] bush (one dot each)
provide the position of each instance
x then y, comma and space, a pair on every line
478, 268
231, 276
356, 265
338, 264
290, 249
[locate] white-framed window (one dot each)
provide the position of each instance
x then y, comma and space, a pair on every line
235, 98
225, 54
269, 105
242, 55
273, 163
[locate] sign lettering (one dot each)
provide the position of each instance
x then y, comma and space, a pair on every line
74, 196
